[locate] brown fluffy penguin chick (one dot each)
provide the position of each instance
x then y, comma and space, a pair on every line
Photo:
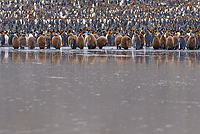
76, 38
31, 42
170, 43
41, 42
175, 39
15, 42
142, 40
48, 40
137, 42
162, 42
96, 36
72, 41
102, 41
118, 39
198, 36
70, 37
156, 42
125, 42
80, 41
56, 41
22, 40
191, 42
91, 41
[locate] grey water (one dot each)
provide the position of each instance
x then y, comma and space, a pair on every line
105, 91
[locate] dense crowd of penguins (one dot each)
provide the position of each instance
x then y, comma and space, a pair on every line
171, 24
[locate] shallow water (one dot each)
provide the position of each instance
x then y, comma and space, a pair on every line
99, 91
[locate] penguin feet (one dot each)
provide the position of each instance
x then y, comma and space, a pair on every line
118, 47
31, 47
48, 46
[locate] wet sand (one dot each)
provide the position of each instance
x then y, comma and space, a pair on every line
105, 91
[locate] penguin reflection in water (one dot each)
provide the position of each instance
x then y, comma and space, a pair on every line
41, 56
56, 57
15, 56
122, 57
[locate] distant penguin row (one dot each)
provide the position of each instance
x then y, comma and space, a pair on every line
73, 41
169, 42
176, 42
92, 41
42, 41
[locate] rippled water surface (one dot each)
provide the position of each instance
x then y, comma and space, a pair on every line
99, 91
